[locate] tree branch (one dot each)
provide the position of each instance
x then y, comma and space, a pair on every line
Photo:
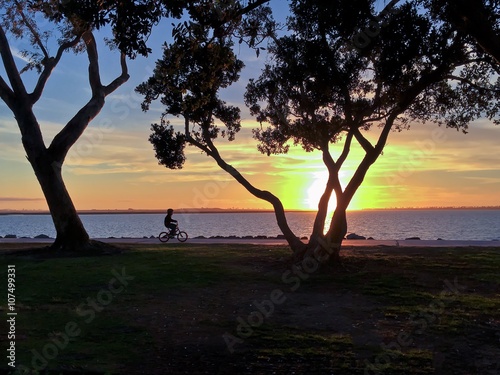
35, 34
389, 6
49, 65
372, 153
328, 160
374, 119
345, 151
382, 140
7, 94
279, 211
94, 75
63, 141
251, 6
10, 66
470, 83
119, 80
424, 82
365, 143
471, 17
376, 98
193, 141
332, 183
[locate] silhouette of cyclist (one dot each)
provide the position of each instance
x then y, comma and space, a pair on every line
170, 223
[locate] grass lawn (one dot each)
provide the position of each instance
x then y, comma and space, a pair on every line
243, 309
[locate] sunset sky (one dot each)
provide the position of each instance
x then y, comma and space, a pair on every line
113, 164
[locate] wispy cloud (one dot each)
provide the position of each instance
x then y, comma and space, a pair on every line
19, 199
17, 53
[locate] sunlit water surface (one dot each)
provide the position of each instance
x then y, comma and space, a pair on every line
383, 225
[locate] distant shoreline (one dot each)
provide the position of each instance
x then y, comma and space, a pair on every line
139, 211
223, 210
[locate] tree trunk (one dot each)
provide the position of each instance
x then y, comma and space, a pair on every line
295, 243
70, 232
331, 244
71, 235
337, 231
332, 241
47, 162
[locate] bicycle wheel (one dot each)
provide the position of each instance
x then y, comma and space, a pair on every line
163, 237
182, 236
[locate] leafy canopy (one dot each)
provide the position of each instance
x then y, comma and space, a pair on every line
187, 79
318, 86
131, 21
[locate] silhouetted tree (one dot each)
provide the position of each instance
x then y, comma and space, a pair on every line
73, 24
188, 78
319, 89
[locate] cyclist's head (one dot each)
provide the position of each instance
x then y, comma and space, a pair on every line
170, 211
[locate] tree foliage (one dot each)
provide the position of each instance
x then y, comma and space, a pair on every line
317, 87
318, 90
168, 145
187, 79
478, 19
64, 26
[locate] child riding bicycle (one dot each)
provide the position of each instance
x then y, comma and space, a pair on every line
170, 223
173, 229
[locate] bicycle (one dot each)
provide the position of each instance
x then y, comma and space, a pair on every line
181, 235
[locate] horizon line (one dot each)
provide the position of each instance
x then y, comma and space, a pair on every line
235, 210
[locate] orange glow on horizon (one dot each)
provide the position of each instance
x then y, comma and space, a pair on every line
121, 172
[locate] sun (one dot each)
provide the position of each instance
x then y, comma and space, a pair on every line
316, 190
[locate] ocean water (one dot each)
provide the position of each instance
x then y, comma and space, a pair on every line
465, 225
